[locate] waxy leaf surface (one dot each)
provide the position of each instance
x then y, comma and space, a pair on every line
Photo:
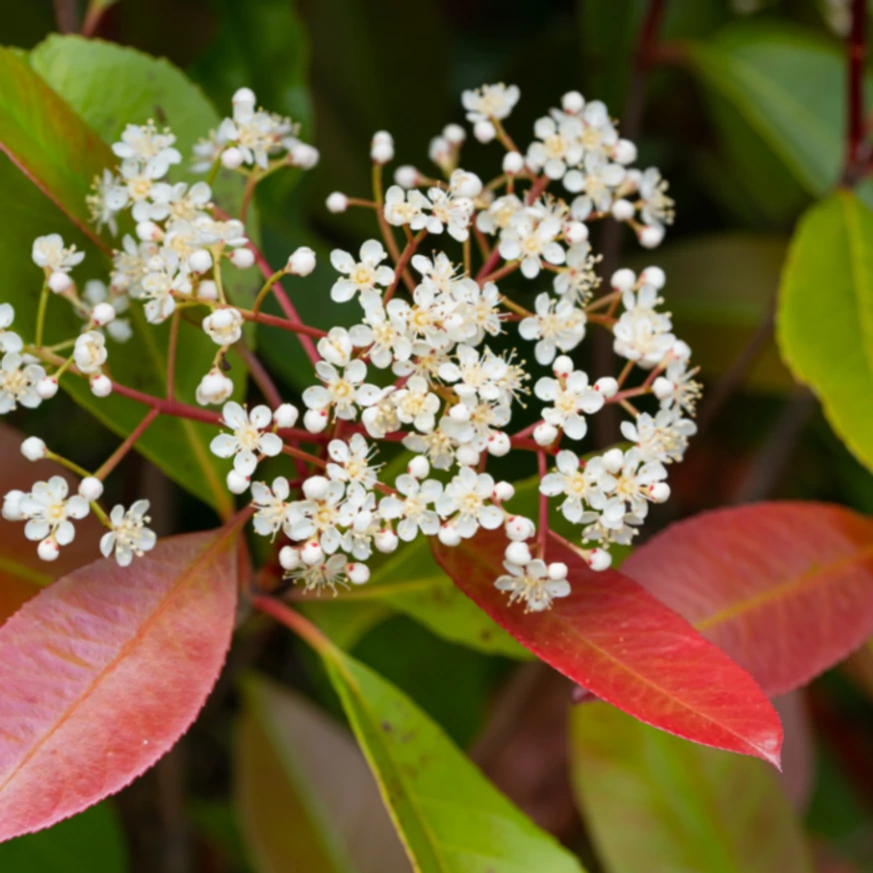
786, 589
449, 816
103, 671
618, 642
655, 804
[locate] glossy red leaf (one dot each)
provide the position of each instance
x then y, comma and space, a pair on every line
621, 644
786, 589
102, 672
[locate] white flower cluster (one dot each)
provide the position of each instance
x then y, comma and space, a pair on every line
419, 365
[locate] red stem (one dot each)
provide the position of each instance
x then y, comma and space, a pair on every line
116, 457
171, 355
294, 621
856, 54
260, 375
304, 330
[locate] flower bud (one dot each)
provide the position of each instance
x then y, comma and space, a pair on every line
607, 386
382, 147
386, 540
624, 152
286, 415
418, 467
236, 482
337, 202
91, 488
662, 388
12, 506
659, 492
243, 97
576, 232
48, 549
102, 314
315, 420
301, 262
613, 460
407, 176
200, 261
214, 388
465, 184
315, 487
460, 413
655, 277
33, 448
47, 387
242, 258
513, 163
650, 237
498, 444
148, 231
467, 456
312, 553
484, 131
303, 155
232, 158
448, 535
503, 491
518, 552
289, 558
557, 570
572, 103
623, 280
358, 574
101, 386
563, 365
454, 134
519, 528
207, 290
623, 210
599, 559
545, 434
59, 281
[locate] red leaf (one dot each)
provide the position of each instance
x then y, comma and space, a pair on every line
102, 672
786, 589
617, 641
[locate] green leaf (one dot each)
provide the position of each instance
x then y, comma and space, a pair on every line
719, 288
825, 318
107, 86
657, 804
304, 794
91, 842
787, 86
450, 818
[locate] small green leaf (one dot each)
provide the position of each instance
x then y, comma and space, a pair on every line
305, 797
91, 842
786, 84
825, 318
450, 818
657, 804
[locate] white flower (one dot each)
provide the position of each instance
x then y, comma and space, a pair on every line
327, 574
248, 439
129, 536
342, 390
558, 324
49, 510
49, 253
386, 335
224, 326
214, 388
464, 501
271, 507
413, 507
499, 213
89, 352
677, 388
107, 199
320, 516
362, 276
402, 207
580, 483
662, 438
490, 101
641, 333
656, 208
152, 150
438, 446
576, 281
18, 380
9, 340
532, 584
569, 398
351, 461
416, 405
449, 212
559, 145
630, 483
598, 179
531, 242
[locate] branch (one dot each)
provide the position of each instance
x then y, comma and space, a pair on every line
856, 54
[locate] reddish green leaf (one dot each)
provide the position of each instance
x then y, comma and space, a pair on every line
36, 128
658, 805
622, 645
103, 671
786, 589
